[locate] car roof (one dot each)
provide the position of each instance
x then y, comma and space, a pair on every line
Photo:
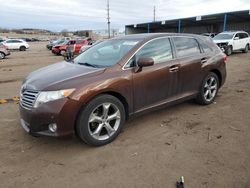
231, 32
144, 36
16, 39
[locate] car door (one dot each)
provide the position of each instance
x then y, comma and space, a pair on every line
237, 42
243, 40
189, 54
10, 44
17, 44
154, 84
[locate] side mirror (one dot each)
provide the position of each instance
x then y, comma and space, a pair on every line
145, 62
236, 38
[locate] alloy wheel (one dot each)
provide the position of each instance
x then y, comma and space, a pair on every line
1, 55
104, 121
210, 88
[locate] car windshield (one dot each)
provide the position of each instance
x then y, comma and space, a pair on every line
106, 53
64, 42
224, 36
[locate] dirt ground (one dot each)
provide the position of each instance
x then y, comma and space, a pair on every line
208, 145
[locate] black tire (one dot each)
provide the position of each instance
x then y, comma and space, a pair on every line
83, 125
22, 48
246, 48
2, 55
229, 50
201, 97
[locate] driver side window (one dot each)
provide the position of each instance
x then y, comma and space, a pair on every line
159, 50
237, 36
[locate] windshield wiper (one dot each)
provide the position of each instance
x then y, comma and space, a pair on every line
88, 64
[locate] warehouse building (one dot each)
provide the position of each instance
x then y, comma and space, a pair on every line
214, 23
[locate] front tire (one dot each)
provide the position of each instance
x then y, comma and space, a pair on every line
62, 52
229, 50
208, 90
101, 120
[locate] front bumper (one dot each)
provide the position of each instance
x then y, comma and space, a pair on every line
56, 51
62, 112
223, 46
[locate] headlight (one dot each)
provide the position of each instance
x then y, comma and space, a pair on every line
46, 96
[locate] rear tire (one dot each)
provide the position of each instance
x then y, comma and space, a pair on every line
22, 48
101, 120
208, 90
2, 55
246, 48
229, 50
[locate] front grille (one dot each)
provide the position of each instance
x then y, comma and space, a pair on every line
222, 45
28, 98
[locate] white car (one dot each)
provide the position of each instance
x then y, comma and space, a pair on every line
16, 44
231, 41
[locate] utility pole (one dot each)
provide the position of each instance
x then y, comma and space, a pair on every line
154, 14
108, 18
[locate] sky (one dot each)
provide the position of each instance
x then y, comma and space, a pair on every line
72, 15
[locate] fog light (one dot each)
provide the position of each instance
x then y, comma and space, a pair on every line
53, 127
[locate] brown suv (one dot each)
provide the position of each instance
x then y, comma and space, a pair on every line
94, 94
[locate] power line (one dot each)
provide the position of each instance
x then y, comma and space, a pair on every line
108, 18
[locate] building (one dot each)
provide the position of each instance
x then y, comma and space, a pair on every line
104, 33
214, 23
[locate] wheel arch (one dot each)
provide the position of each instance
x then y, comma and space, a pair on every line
117, 95
218, 73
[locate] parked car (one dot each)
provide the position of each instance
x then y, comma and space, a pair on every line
95, 94
16, 44
231, 41
2, 39
3, 51
56, 42
85, 47
30, 39
211, 35
60, 49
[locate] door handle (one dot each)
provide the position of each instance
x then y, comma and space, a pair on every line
174, 68
203, 60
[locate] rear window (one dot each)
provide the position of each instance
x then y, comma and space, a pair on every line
207, 45
243, 35
186, 46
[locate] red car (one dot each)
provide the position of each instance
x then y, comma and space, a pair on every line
60, 49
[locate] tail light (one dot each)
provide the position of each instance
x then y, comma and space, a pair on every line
3, 46
225, 58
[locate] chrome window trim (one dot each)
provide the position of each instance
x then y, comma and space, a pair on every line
169, 37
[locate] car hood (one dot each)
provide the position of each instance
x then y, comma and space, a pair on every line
54, 76
57, 46
221, 41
